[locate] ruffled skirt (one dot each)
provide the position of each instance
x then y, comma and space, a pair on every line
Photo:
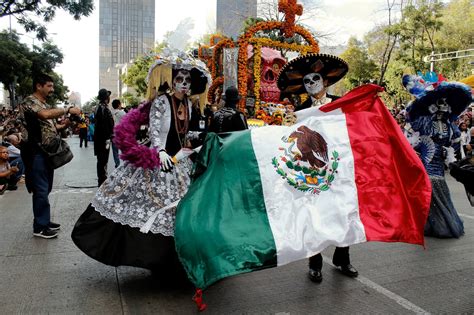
443, 219
109, 229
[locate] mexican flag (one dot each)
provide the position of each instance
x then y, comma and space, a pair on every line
342, 175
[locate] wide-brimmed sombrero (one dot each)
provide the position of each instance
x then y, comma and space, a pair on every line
331, 68
456, 95
160, 74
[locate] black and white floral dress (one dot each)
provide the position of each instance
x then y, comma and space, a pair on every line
109, 230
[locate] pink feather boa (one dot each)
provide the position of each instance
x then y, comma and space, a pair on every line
125, 132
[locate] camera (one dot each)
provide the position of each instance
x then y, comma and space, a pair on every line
76, 118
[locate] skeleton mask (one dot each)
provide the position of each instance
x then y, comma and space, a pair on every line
313, 83
182, 82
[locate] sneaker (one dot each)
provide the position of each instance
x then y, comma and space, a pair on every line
12, 187
46, 233
54, 226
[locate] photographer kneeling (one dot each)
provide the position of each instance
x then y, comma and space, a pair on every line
40, 130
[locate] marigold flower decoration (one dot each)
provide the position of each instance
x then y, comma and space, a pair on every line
247, 37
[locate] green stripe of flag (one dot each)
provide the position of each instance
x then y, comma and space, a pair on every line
224, 211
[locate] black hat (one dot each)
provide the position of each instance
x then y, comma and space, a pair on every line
231, 95
456, 95
103, 94
331, 68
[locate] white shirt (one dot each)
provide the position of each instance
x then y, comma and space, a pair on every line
117, 114
320, 101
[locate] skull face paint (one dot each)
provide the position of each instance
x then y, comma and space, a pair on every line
182, 82
313, 83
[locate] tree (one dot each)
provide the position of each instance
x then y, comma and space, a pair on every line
15, 63
361, 68
24, 10
382, 40
19, 65
456, 34
90, 106
417, 30
138, 71
129, 100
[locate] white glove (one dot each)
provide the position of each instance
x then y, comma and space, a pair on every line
165, 161
450, 157
107, 144
183, 153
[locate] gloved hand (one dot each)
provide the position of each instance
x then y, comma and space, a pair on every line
450, 157
165, 161
107, 144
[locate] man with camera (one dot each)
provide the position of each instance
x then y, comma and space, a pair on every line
40, 129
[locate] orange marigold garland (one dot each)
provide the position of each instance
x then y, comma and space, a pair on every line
227, 43
216, 83
247, 38
257, 62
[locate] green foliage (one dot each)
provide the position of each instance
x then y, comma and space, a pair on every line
361, 68
138, 71
90, 106
129, 100
20, 64
417, 29
425, 26
28, 11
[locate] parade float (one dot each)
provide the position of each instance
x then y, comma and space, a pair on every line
252, 64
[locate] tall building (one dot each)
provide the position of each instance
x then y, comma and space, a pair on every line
231, 15
126, 30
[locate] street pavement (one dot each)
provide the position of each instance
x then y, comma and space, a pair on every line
53, 276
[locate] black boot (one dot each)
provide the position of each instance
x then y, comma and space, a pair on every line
342, 260
315, 265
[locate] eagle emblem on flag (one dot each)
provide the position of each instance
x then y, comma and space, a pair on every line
304, 162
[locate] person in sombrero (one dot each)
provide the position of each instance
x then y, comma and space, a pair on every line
432, 131
313, 74
130, 221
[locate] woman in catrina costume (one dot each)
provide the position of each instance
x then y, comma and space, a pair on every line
130, 221
434, 135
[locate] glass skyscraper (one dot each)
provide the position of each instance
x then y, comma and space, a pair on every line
126, 30
231, 15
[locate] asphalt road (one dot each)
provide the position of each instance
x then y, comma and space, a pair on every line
53, 276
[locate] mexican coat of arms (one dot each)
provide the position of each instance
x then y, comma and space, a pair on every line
304, 162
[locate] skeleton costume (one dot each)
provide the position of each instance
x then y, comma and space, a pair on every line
130, 221
312, 74
431, 131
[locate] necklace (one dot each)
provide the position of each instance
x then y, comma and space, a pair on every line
180, 113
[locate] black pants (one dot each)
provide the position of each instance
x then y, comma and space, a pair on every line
83, 137
340, 257
102, 159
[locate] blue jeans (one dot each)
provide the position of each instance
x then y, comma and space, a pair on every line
115, 152
41, 184
18, 162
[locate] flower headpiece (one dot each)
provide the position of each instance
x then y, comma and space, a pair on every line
433, 93
418, 85
160, 74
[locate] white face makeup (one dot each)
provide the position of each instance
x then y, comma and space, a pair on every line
182, 82
313, 83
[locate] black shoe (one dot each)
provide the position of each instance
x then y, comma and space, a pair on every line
348, 270
54, 226
46, 233
315, 275
12, 187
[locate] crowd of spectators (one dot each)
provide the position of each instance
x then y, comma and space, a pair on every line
465, 123
11, 165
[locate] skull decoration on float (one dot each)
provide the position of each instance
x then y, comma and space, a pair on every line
271, 64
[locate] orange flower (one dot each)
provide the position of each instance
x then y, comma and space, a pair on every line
216, 83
